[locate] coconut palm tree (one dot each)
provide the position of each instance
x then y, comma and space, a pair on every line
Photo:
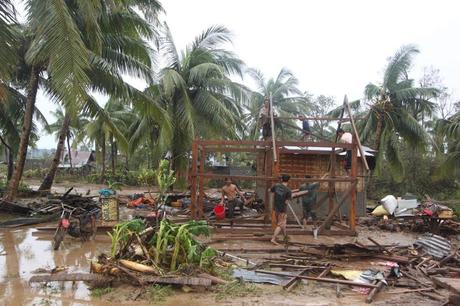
287, 98
8, 37
389, 119
56, 47
450, 129
124, 50
12, 111
195, 89
102, 130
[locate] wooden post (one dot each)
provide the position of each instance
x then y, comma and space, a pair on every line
354, 175
331, 184
193, 179
328, 220
355, 132
267, 173
201, 180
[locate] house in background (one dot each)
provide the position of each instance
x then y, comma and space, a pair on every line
80, 159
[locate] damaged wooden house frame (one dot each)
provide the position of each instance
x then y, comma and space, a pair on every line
276, 157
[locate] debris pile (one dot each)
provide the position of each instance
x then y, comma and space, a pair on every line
167, 251
45, 209
408, 214
367, 268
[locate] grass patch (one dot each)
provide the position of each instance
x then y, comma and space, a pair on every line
237, 289
158, 293
99, 292
224, 273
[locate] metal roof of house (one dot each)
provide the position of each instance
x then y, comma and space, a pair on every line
367, 151
79, 159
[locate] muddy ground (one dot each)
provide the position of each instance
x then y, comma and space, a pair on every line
24, 250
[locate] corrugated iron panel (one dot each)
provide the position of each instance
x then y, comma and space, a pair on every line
434, 245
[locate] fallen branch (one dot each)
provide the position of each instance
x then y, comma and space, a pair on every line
62, 277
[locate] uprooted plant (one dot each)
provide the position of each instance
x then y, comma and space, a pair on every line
173, 247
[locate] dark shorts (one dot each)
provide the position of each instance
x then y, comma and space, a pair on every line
266, 130
348, 160
308, 211
231, 206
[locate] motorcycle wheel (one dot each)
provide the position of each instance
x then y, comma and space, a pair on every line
58, 237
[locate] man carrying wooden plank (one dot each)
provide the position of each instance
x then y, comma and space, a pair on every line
309, 200
346, 137
282, 193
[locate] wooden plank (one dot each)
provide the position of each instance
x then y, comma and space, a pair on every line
194, 179
60, 277
273, 178
281, 143
272, 126
331, 215
291, 283
355, 131
201, 194
452, 284
289, 231
354, 173
322, 279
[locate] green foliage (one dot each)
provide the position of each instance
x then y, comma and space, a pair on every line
99, 292
165, 176
121, 232
129, 178
237, 289
159, 293
175, 244
114, 185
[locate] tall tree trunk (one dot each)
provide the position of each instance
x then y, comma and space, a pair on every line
8, 157
378, 133
13, 184
103, 157
10, 169
68, 147
127, 162
49, 178
112, 153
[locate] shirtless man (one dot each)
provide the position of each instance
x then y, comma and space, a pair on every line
230, 190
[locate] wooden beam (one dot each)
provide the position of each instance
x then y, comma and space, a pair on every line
331, 215
194, 179
315, 118
354, 173
280, 143
201, 195
355, 131
320, 279
272, 178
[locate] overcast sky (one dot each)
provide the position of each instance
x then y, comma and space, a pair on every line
333, 47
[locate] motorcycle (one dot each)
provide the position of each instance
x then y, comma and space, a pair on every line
81, 226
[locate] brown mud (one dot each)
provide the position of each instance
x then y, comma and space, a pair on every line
26, 252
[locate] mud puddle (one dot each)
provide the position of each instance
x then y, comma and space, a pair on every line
26, 253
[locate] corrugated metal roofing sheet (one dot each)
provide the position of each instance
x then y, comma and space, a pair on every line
434, 245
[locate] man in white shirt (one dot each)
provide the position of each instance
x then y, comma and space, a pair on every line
346, 137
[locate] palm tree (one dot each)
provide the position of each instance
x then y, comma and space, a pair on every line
12, 111
124, 50
107, 128
196, 90
56, 46
8, 37
392, 105
287, 98
450, 129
